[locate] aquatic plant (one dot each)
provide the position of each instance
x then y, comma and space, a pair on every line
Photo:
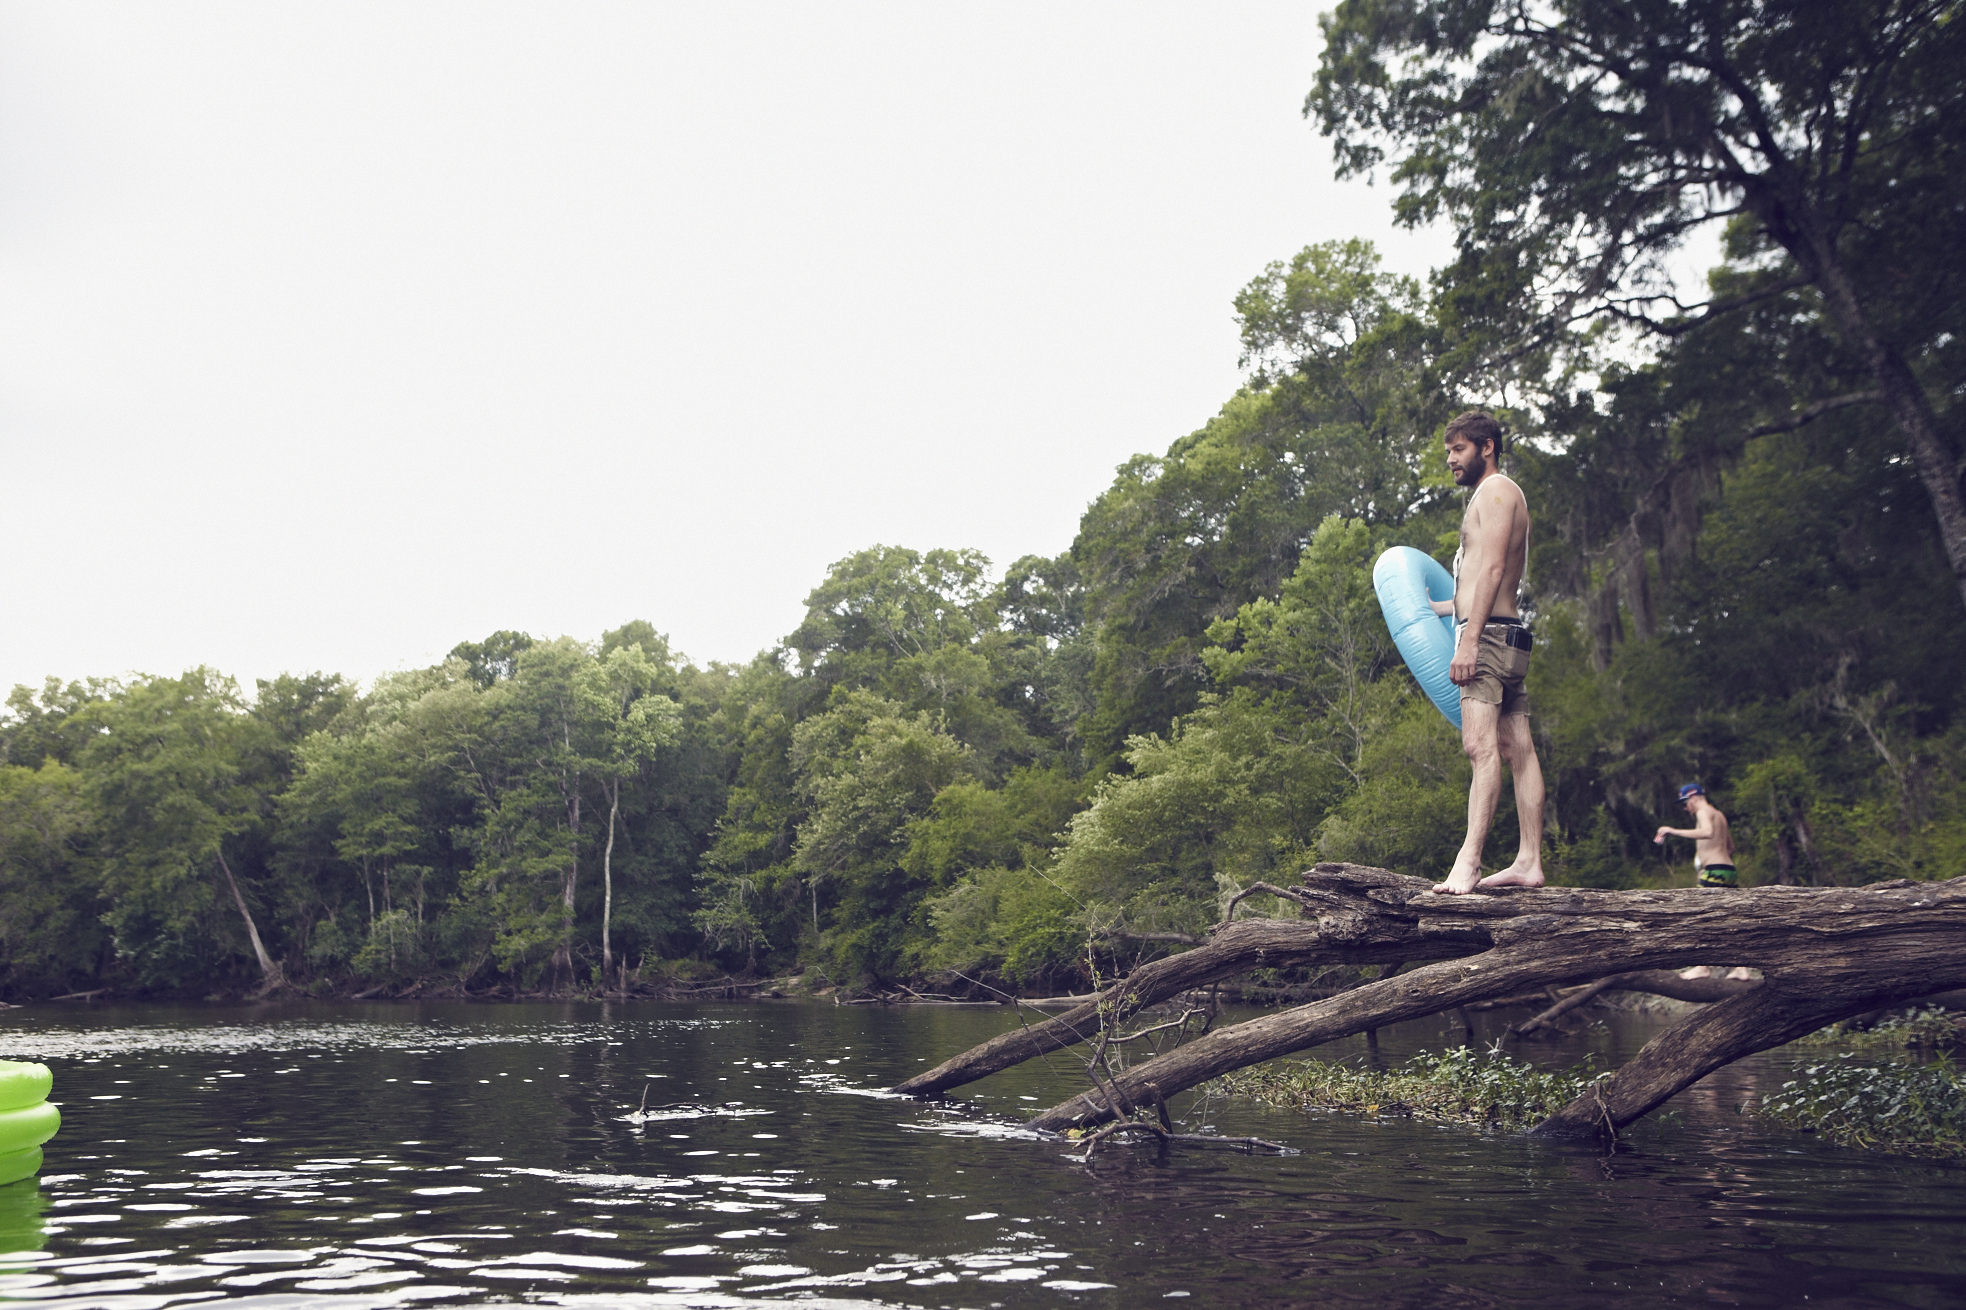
1906, 1109
1933, 1028
1457, 1085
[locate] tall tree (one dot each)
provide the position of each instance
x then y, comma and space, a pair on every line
1338, 417
51, 933
527, 753
869, 772
166, 770
627, 722
365, 785
496, 658
1576, 144
748, 889
50, 725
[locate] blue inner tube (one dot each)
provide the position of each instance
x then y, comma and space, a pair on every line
1406, 579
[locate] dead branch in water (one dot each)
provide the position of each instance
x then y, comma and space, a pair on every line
1206, 1141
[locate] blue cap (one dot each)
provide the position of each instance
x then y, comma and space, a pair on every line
1689, 791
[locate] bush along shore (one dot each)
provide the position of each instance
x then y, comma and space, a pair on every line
1928, 1029
1878, 1093
1879, 1105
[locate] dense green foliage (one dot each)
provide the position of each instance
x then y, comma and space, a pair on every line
1904, 1108
943, 773
1457, 1085
1575, 144
1742, 570
1928, 1029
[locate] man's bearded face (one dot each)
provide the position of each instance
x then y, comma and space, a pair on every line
1465, 459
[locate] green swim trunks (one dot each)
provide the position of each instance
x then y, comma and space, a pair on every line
1719, 875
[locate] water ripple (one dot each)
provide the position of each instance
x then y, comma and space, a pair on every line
453, 1155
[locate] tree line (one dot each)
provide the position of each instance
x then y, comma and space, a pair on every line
1745, 569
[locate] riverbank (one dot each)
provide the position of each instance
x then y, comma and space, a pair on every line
729, 987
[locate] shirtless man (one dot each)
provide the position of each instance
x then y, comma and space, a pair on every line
1491, 655
1713, 844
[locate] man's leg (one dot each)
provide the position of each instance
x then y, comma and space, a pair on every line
1518, 750
1478, 724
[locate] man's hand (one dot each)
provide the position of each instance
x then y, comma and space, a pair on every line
1659, 837
1461, 669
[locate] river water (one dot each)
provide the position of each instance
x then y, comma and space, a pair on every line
353, 1156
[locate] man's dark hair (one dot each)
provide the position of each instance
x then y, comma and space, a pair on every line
1480, 427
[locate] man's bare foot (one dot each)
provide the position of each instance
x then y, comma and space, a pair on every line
1461, 881
1515, 876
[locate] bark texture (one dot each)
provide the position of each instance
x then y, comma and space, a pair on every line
269, 968
1653, 982
1824, 954
1367, 933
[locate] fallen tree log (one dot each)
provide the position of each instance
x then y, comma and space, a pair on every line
1767, 1016
1356, 936
1824, 954
1652, 982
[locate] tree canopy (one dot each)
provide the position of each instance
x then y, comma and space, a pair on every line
1575, 146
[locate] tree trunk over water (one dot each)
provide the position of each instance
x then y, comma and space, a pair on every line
269, 969
1825, 954
1651, 982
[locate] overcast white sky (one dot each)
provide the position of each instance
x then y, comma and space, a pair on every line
334, 334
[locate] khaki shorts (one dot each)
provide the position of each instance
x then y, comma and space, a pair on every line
1499, 671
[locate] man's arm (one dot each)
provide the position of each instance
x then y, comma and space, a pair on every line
1482, 564
1699, 831
1444, 608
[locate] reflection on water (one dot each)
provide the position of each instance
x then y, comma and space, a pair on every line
22, 1211
737, 1155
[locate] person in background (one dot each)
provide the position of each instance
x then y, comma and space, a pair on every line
1713, 844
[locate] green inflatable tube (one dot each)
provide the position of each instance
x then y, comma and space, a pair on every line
26, 1118
22, 1085
21, 1129
16, 1165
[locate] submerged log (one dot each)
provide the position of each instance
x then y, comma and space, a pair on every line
1824, 954
1649, 982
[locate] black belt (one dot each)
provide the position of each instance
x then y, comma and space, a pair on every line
1516, 635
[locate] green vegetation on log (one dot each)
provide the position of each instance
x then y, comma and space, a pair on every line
1746, 569
1458, 1085
1892, 1105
